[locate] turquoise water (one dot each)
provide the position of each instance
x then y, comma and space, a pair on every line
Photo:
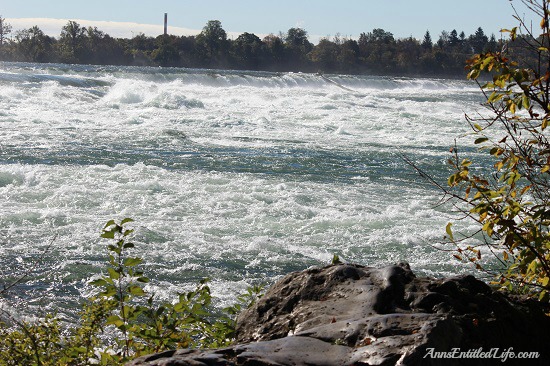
237, 176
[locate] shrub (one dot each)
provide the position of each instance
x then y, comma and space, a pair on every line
121, 321
511, 201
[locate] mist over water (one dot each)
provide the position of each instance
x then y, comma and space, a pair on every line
237, 176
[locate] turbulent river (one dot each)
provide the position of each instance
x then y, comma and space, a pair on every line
241, 177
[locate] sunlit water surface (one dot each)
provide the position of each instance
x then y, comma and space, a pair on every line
237, 176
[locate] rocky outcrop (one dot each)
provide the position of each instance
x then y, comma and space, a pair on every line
354, 315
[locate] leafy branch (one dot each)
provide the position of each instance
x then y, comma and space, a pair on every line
511, 201
122, 320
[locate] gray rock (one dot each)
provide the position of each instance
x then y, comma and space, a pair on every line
354, 315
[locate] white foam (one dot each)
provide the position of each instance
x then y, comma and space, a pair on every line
234, 176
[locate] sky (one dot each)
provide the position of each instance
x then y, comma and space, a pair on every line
320, 18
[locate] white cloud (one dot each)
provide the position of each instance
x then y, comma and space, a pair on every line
52, 27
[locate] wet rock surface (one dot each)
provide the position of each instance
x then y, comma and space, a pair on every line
355, 315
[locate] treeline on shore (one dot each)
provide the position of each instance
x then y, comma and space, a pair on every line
375, 52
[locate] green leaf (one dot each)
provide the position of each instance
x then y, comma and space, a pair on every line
474, 74
137, 291
113, 273
98, 282
481, 140
532, 266
449, 231
126, 220
512, 107
488, 228
494, 97
132, 262
109, 292
526, 101
115, 320
127, 311
513, 177
109, 223
487, 61
108, 235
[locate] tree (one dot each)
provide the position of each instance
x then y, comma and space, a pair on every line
379, 35
72, 42
275, 49
140, 48
212, 43
186, 48
325, 55
33, 45
427, 42
5, 29
297, 47
443, 40
453, 38
492, 44
479, 40
348, 56
511, 200
248, 50
143, 43
296, 38
102, 49
166, 53
408, 52
377, 51
364, 49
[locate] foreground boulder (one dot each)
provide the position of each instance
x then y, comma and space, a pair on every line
355, 315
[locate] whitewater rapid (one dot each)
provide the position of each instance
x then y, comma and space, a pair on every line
237, 176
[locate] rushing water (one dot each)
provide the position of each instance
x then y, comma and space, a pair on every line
237, 176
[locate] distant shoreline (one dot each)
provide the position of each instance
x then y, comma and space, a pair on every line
375, 53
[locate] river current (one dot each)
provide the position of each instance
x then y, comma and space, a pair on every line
241, 177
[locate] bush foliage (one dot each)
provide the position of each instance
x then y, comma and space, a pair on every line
122, 320
511, 202
376, 51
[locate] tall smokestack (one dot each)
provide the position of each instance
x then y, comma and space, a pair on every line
165, 24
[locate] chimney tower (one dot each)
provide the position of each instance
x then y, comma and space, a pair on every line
165, 24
